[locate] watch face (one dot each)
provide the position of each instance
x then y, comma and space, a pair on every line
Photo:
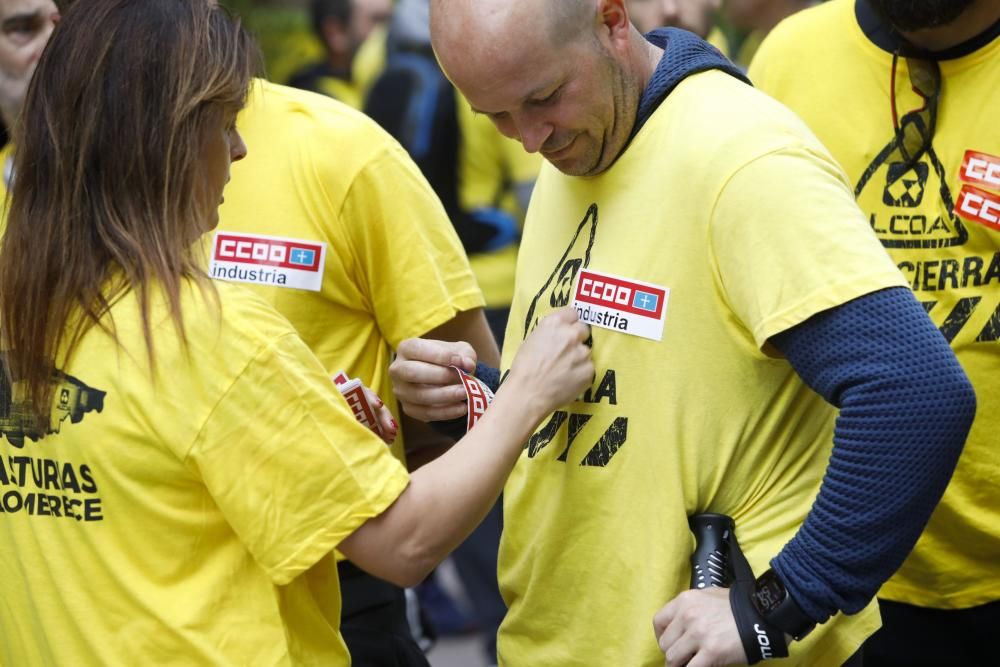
769, 592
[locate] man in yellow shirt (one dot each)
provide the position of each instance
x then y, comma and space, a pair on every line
332, 222
897, 92
742, 312
342, 26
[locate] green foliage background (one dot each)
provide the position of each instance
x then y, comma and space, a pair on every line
284, 34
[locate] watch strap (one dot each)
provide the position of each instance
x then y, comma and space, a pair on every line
761, 640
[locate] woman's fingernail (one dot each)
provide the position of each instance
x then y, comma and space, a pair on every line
392, 422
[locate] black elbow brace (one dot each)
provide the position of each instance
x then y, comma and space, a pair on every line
718, 561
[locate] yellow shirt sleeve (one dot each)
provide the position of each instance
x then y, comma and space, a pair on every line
393, 213
292, 477
767, 273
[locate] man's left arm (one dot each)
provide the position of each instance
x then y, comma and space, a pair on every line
905, 410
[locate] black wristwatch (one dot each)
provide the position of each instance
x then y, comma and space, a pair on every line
773, 602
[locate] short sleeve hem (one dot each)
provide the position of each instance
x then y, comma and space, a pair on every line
469, 300
823, 299
325, 540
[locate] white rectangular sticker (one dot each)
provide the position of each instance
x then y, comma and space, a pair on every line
627, 306
267, 260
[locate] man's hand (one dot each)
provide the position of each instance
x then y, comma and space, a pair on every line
427, 388
697, 629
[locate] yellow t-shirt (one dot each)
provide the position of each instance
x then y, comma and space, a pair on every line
186, 518
729, 219
340, 89
951, 261
369, 61
324, 183
492, 170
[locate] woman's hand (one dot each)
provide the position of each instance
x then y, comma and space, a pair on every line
553, 365
388, 429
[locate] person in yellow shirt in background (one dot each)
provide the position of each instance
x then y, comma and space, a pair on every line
484, 181
904, 94
747, 23
342, 26
177, 465
25, 26
387, 266
379, 263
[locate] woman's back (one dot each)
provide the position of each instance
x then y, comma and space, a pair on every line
178, 511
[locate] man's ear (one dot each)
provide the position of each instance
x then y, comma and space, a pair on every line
614, 18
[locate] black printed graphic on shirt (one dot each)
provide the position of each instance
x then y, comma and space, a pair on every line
909, 204
42, 486
589, 442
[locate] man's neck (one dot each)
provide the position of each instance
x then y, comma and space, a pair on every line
649, 58
340, 64
978, 17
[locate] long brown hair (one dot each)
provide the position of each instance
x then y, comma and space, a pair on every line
106, 172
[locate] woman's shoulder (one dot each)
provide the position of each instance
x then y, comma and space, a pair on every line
232, 311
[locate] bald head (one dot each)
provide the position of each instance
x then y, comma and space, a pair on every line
498, 25
562, 76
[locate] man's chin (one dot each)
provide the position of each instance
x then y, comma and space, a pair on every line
576, 165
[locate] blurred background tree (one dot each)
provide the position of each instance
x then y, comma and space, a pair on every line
284, 32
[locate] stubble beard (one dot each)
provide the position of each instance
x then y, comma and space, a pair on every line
913, 15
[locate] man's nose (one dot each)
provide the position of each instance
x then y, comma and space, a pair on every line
533, 132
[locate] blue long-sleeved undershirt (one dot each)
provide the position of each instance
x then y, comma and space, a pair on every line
905, 410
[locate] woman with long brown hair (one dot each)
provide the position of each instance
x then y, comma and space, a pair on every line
176, 468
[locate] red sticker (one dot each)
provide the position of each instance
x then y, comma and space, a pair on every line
624, 296
354, 393
478, 397
979, 206
981, 169
279, 253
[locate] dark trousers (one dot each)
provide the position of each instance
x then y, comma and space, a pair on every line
921, 637
476, 563
373, 621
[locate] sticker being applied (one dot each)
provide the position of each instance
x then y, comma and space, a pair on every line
267, 260
628, 306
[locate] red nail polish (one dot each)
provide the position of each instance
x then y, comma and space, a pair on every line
392, 422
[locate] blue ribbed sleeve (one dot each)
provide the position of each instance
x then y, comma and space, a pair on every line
905, 410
